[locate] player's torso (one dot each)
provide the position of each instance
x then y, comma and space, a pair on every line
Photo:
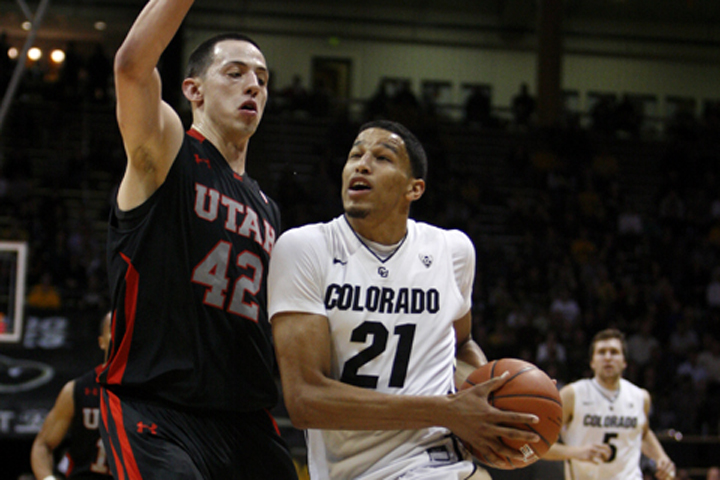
85, 454
618, 422
391, 321
191, 265
391, 324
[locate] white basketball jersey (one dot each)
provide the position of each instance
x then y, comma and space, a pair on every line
391, 323
617, 422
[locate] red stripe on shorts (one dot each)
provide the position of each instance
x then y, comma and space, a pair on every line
272, 419
104, 413
129, 463
116, 369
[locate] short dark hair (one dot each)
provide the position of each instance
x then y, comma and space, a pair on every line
201, 58
415, 150
608, 334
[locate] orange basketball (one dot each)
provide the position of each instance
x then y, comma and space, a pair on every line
528, 390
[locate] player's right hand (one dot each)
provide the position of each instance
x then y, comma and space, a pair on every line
475, 421
596, 453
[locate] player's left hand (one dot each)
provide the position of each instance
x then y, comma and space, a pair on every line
665, 469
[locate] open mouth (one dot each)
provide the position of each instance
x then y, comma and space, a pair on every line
249, 106
359, 186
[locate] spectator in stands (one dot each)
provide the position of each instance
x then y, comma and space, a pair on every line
550, 350
478, 112
684, 339
642, 343
44, 294
565, 308
295, 95
712, 292
377, 106
523, 107
628, 118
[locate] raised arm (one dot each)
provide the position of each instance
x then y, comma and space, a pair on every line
151, 130
314, 400
53, 432
652, 448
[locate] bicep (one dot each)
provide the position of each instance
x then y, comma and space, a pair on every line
302, 346
567, 395
57, 423
152, 133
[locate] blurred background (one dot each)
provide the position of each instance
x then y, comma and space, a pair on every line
576, 142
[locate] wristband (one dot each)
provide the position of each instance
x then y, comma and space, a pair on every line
50, 477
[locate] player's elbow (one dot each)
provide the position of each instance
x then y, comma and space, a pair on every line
304, 409
130, 63
299, 409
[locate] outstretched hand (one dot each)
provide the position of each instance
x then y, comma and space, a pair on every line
665, 469
596, 453
476, 422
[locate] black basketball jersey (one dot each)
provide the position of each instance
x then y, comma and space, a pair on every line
85, 456
187, 272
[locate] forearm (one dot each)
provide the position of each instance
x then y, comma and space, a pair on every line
560, 451
652, 448
149, 35
41, 460
338, 406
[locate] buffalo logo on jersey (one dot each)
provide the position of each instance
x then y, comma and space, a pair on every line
609, 421
381, 299
238, 218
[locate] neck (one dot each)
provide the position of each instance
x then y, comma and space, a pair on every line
233, 150
387, 231
609, 383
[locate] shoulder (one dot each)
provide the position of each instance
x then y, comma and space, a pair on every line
301, 247
635, 391
568, 391
455, 240
305, 236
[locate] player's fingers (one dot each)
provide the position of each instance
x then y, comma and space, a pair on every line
516, 434
605, 452
497, 453
506, 416
496, 382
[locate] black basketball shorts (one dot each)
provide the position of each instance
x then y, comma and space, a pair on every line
147, 441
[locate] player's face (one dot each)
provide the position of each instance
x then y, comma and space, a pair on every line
234, 87
377, 176
608, 360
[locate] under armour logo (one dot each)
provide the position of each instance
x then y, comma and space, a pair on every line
141, 427
426, 260
199, 160
383, 272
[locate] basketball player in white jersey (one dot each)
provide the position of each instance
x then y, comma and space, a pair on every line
605, 420
369, 312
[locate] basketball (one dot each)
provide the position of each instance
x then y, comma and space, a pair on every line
528, 390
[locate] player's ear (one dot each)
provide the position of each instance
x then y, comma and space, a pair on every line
415, 190
192, 89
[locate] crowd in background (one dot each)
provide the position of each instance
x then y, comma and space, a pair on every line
589, 255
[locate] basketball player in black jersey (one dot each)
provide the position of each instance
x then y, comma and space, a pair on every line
75, 415
189, 381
